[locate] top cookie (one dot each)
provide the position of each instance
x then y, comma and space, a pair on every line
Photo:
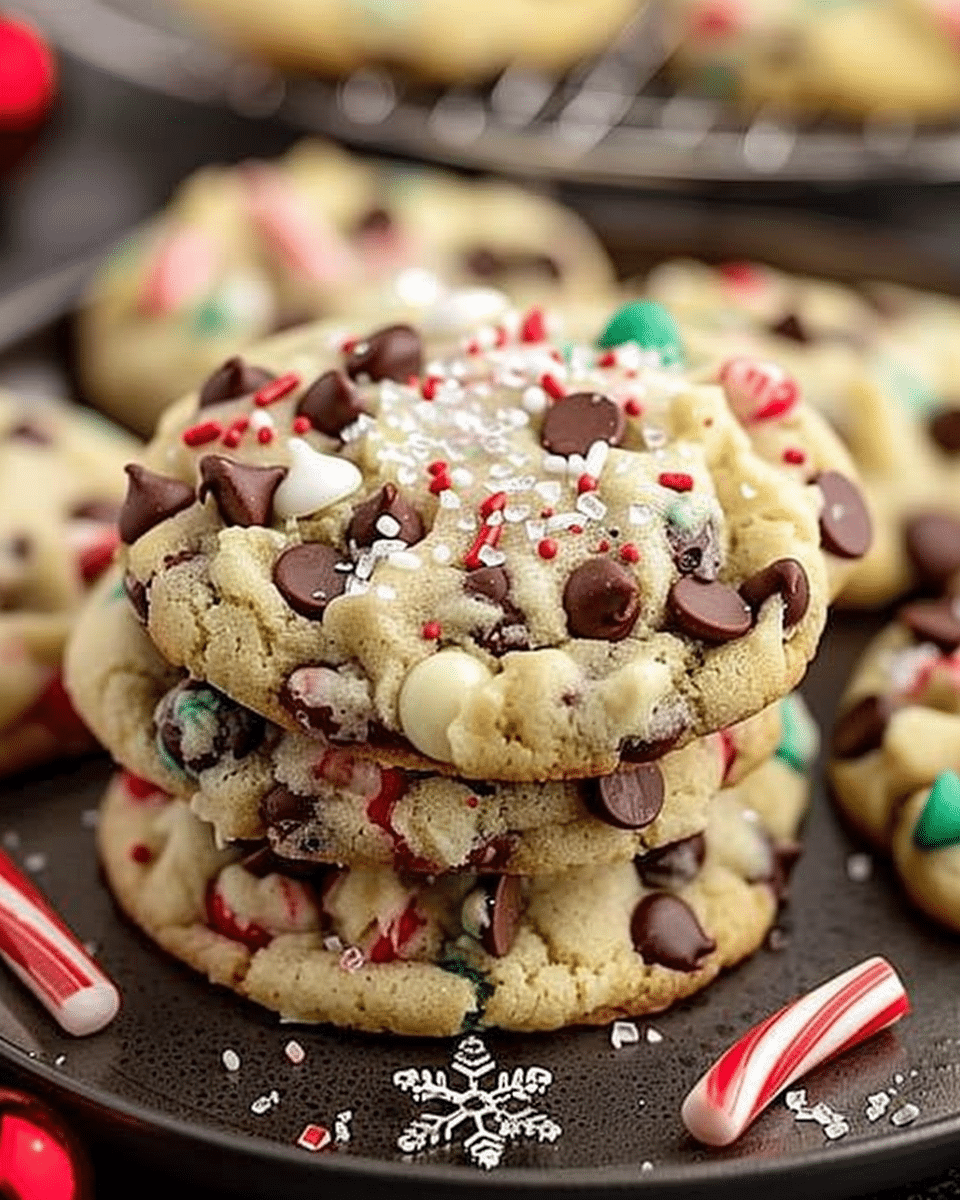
245, 251
495, 547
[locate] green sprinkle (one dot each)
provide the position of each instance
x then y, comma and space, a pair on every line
939, 823
117, 592
210, 318
482, 987
799, 738
650, 326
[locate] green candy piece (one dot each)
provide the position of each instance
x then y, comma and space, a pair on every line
650, 326
939, 823
211, 318
799, 739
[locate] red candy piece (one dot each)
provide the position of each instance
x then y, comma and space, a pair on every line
533, 327
40, 1159
95, 559
221, 918
27, 75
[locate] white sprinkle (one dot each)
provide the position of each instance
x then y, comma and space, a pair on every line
263, 1104
341, 1125
623, 1033
89, 818
823, 1114
490, 556
385, 591
576, 466
903, 1116
836, 1129
449, 499
467, 523
230, 1060
796, 1099
654, 1035
747, 491
11, 839
387, 525
591, 506
859, 867
515, 513
461, 476
405, 559
877, 1105
35, 862
495, 519
596, 458
898, 1079
563, 520
441, 553
555, 464
640, 514
332, 944
295, 1052
59, 1060
536, 530
91, 948
646, 1166
261, 419
548, 490
351, 959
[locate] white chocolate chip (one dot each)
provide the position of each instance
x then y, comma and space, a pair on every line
314, 481
432, 697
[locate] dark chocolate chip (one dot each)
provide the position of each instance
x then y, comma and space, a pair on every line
280, 805
234, 379
933, 544
330, 403
790, 326
290, 318
636, 750
712, 612
19, 546
934, 621
197, 727
845, 526
785, 577
945, 430
307, 578
487, 263
601, 600
504, 908
138, 596
862, 727
666, 932
105, 511
575, 422
150, 499
26, 431
395, 352
376, 222
242, 493
493, 583
385, 515
695, 554
630, 798
674, 865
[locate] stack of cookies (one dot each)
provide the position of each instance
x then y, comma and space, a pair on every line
449, 665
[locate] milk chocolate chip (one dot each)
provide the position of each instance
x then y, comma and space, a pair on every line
788, 578
630, 798
330, 403
395, 352
242, 493
666, 931
575, 422
862, 727
712, 612
385, 515
307, 578
234, 379
150, 499
845, 526
601, 600
933, 544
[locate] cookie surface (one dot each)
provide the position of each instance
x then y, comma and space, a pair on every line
880, 363
317, 802
378, 951
519, 555
61, 484
243, 251
893, 58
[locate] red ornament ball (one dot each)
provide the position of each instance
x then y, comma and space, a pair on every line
27, 75
40, 1159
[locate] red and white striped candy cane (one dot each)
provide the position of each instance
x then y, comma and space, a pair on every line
802, 1035
757, 391
182, 271
45, 955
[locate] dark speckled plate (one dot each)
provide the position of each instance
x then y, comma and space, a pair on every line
603, 1120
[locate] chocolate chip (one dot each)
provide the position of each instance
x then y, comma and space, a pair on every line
493, 583
673, 865
845, 525
637, 750
601, 600
242, 493
630, 798
150, 499
395, 352
785, 577
509, 633
576, 421
19, 546
375, 221
504, 908
290, 317
666, 932
138, 596
487, 263
862, 727
104, 511
933, 544
385, 515
197, 727
786, 855
26, 431
307, 578
280, 805
934, 621
695, 554
712, 612
330, 403
790, 326
945, 430
234, 379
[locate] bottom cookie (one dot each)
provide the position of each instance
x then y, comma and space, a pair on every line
375, 950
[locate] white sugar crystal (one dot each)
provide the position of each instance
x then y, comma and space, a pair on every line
836, 1129
405, 559
230, 1060
441, 553
623, 1033
591, 506
747, 491
576, 466
905, 1115
859, 867
877, 1105
536, 530
554, 464
387, 525
260, 419
796, 1099
449, 499
500, 470
534, 400
495, 518
640, 514
647, 1165
515, 513
548, 491
898, 1079
596, 458
563, 520
654, 1035
333, 944
461, 476
385, 592
407, 476
295, 1052
35, 862
341, 1125
491, 557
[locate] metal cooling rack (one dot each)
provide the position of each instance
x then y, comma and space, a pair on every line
613, 121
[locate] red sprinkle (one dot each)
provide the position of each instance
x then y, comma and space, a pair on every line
793, 455
633, 408
547, 548
629, 553
472, 801
276, 389
587, 483
679, 481
141, 853
199, 435
741, 275
437, 467
576, 529
473, 347
431, 631
609, 359
96, 558
495, 503
265, 435
302, 425
552, 386
429, 388
440, 482
137, 787
500, 337
347, 345
489, 535
231, 439
533, 327
602, 547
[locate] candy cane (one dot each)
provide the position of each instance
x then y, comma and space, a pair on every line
44, 954
182, 271
757, 391
802, 1035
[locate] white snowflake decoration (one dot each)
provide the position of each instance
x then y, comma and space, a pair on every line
491, 1117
